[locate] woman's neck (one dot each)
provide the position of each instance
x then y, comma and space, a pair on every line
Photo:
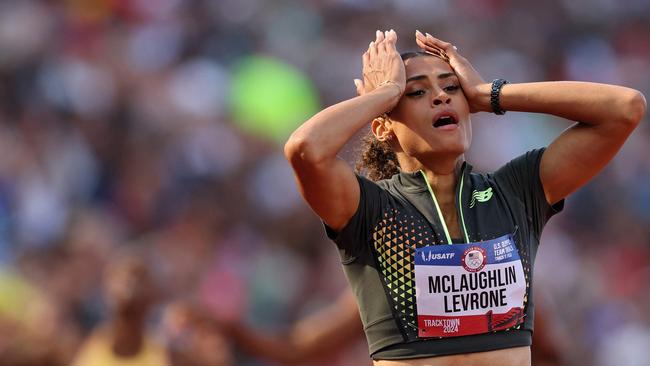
127, 335
441, 174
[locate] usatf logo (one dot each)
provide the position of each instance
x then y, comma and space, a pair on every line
431, 256
481, 196
474, 259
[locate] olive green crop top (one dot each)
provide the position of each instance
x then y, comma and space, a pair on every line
397, 215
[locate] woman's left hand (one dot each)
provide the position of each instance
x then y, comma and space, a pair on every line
469, 78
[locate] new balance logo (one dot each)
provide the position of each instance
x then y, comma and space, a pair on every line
481, 196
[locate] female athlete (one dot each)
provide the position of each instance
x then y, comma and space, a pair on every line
441, 258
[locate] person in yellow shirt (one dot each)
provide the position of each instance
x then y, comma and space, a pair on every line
124, 340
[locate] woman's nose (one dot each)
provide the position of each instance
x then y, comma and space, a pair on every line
441, 98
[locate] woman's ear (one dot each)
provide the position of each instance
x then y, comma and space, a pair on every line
381, 128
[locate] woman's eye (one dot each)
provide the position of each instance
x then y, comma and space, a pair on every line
451, 88
416, 93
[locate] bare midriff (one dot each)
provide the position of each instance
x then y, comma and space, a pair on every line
518, 356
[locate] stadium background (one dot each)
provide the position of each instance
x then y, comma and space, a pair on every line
159, 124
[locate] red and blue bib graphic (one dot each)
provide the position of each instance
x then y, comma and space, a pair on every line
466, 289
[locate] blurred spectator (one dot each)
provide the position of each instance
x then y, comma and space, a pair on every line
194, 338
322, 336
32, 330
124, 338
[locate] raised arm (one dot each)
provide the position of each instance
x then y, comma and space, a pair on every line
315, 337
605, 116
326, 182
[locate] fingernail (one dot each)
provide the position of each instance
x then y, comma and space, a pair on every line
386, 34
378, 33
371, 43
417, 32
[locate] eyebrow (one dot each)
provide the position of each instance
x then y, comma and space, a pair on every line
440, 76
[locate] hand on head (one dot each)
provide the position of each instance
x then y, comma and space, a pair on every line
381, 64
468, 76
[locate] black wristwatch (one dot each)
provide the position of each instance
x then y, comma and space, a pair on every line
495, 93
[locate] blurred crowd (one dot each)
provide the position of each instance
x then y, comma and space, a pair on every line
138, 218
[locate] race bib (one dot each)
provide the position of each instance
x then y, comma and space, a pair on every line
466, 289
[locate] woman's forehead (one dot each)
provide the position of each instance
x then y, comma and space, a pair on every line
426, 65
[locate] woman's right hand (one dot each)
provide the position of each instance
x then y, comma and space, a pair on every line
382, 65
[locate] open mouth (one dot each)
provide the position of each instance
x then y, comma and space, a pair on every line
445, 121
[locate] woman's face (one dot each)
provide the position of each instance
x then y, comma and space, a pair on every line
432, 119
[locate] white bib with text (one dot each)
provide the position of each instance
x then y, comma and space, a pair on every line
465, 289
